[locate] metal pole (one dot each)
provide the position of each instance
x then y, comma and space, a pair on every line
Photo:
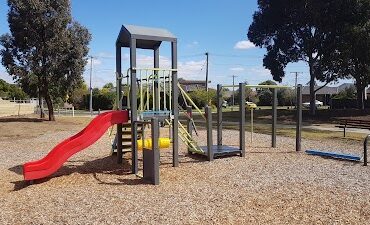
91, 68
252, 126
274, 118
133, 103
118, 99
175, 109
365, 149
155, 151
156, 93
208, 112
242, 119
207, 54
219, 114
233, 90
299, 119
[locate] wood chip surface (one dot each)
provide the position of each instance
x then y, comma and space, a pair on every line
268, 186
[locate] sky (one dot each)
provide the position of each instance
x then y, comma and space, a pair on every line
218, 27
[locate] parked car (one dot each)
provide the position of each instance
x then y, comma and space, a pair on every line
224, 104
317, 104
250, 105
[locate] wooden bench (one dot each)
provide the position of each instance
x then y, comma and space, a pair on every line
352, 123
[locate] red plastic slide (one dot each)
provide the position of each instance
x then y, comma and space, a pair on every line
63, 151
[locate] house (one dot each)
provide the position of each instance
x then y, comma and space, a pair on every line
192, 85
324, 94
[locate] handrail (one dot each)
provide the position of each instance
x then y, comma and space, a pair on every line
365, 149
190, 100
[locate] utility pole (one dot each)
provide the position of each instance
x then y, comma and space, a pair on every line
233, 76
91, 69
207, 54
208, 100
296, 79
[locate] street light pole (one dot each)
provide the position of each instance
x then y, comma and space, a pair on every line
91, 68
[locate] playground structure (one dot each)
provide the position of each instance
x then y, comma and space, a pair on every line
152, 100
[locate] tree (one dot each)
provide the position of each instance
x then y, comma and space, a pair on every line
10, 91
355, 47
300, 30
44, 41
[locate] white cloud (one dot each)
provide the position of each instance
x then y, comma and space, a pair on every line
237, 69
105, 55
192, 44
243, 45
95, 62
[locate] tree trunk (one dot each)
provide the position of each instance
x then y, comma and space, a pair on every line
360, 95
312, 91
49, 103
42, 114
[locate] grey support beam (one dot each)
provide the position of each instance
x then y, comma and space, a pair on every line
118, 100
133, 103
298, 135
175, 109
219, 114
242, 119
274, 117
156, 87
208, 112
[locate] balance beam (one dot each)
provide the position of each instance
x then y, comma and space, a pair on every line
334, 155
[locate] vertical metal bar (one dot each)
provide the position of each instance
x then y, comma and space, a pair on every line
133, 103
164, 91
141, 92
134, 139
210, 154
252, 125
175, 110
147, 91
156, 93
219, 114
298, 134
242, 119
365, 149
274, 118
189, 124
155, 151
118, 100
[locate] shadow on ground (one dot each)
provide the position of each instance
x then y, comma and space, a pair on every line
20, 119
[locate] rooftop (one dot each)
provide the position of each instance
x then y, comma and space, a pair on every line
146, 37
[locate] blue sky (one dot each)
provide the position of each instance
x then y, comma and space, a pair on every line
219, 27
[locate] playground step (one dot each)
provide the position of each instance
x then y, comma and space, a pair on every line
128, 132
128, 125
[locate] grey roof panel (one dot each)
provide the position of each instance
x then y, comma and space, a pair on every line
146, 37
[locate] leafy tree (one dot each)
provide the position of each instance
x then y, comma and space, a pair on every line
355, 47
300, 30
45, 42
10, 91
200, 97
77, 96
286, 96
348, 93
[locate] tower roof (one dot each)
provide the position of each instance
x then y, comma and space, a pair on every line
146, 37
